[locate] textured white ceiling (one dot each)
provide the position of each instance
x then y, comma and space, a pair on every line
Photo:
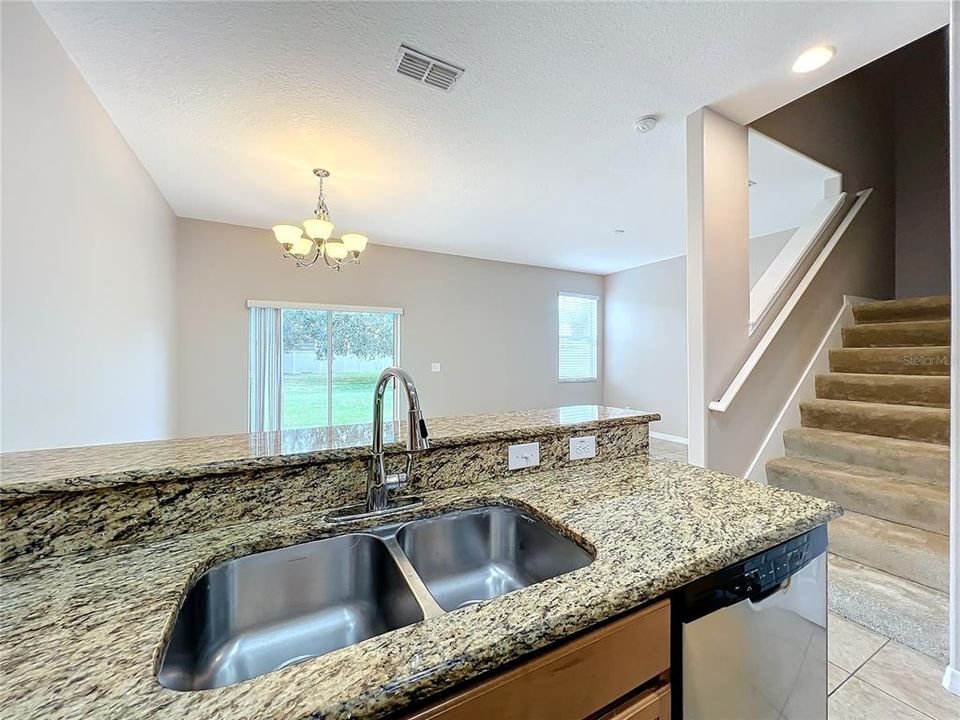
532, 158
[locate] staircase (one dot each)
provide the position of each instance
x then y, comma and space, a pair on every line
876, 440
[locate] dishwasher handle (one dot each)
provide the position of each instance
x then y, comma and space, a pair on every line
760, 599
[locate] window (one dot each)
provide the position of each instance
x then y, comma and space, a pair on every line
312, 365
577, 315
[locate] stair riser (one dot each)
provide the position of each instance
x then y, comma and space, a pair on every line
915, 510
891, 361
922, 424
897, 334
916, 390
934, 308
913, 616
935, 470
927, 563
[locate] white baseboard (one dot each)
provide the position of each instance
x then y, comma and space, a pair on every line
951, 679
671, 438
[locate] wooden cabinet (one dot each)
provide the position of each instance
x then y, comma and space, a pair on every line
583, 678
652, 704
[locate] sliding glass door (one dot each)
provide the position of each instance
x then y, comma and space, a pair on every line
321, 367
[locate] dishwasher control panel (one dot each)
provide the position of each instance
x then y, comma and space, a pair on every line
761, 572
751, 578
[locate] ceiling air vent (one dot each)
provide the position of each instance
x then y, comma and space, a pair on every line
426, 69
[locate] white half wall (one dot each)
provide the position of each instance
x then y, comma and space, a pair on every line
87, 255
718, 270
491, 325
764, 249
645, 342
786, 184
847, 125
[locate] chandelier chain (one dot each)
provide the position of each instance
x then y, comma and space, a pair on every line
321, 212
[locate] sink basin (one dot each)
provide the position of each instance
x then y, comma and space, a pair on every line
467, 557
264, 612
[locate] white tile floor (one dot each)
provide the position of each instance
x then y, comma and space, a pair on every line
870, 677
668, 449
874, 678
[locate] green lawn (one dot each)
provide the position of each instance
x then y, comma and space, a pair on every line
305, 399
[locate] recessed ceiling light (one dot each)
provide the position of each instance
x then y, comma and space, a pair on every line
814, 58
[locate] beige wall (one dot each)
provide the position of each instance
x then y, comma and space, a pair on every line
492, 326
645, 342
87, 256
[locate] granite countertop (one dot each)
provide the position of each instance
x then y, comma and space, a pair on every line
83, 633
82, 468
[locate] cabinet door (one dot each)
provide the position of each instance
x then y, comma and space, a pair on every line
651, 705
572, 681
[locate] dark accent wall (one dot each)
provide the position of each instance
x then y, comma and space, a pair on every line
922, 162
885, 126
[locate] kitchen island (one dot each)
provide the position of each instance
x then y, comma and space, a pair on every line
84, 631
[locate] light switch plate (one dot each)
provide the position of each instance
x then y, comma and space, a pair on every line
583, 447
523, 456
434, 367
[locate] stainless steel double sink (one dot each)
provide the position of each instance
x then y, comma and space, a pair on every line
263, 612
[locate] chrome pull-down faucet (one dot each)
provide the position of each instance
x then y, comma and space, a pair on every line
379, 484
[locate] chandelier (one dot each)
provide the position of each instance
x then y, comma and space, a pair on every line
307, 245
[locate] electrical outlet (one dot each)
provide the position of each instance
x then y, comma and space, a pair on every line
583, 447
523, 456
434, 367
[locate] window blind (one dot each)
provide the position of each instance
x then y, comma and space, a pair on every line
265, 369
577, 316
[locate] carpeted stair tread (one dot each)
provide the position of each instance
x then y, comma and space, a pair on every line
935, 307
910, 553
926, 462
898, 334
910, 613
876, 441
927, 390
866, 491
891, 361
907, 422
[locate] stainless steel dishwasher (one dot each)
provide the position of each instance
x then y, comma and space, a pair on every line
752, 638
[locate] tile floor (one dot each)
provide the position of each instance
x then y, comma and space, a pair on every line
668, 449
870, 677
873, 678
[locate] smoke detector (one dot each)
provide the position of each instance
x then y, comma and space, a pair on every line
646, 124
426, 69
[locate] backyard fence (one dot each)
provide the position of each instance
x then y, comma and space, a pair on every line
304, 361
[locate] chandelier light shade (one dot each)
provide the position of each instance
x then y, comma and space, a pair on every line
309, 244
